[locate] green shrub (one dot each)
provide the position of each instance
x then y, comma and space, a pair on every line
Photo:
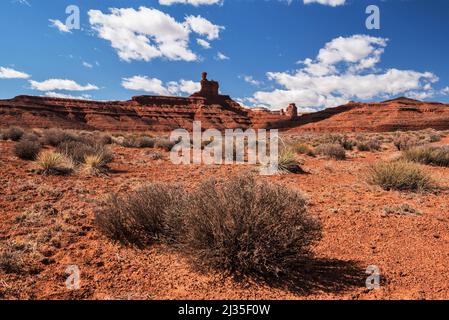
399, 175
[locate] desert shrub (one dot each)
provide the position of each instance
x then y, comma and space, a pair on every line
77, 151
303, 148
403, 210
27, 150
54, 137
146, 142
288, 162
164, 143
105, 139
13, 134
10, 260
333, 151
54, 163
399, 175
155, 155
434, 136
30, 136
431, 155
245, 227
404, 142
155, 213
369, 145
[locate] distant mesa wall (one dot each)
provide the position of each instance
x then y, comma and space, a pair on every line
141, 113
214, 110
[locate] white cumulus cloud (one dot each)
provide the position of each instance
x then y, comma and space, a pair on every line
157, 86
61, 84
203, 43
221, 56
332, 3
8, 73
195, 3
60, 26
147, 33
53, 94
345, 69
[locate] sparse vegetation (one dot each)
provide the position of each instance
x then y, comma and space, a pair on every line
245, 227
288, 162
13, 134
400, 175
55, 137
369, 145
96, 164
333, 151
403, 210
303, 148
240, 226
54, 163
164, 143
430, 155
155, 213
27, 149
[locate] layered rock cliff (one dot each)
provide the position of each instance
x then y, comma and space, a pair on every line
142, 113
391, 115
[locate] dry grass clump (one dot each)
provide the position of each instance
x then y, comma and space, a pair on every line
11, 260
245, 227
402, 210
369, 145
431, 155
288, 163
241, 226
303, 148
54, 137
155, 213
399, 175
164, 144
405, 141
333, 151
13, 134
96, 164
54, 163
27, 149
155, 155
77, 151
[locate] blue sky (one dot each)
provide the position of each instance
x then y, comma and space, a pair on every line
263, 52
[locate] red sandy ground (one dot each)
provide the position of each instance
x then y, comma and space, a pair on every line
54, 217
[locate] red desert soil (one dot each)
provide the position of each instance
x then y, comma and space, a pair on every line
53, 217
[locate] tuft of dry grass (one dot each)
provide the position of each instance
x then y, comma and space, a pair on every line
400, 175
96, 164
333, 151
288, 163
303, 148
430, 155
54, 163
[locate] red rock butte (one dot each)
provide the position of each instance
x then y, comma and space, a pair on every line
214, 110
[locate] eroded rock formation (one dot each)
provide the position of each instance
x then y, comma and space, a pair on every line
214, 110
